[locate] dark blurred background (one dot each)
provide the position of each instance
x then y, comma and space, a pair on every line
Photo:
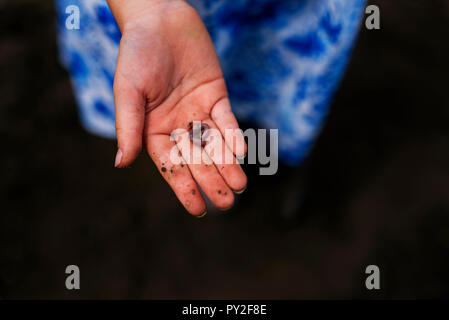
375, 188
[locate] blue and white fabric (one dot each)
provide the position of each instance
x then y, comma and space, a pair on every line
282, 61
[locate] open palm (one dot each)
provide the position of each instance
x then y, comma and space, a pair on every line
167, 77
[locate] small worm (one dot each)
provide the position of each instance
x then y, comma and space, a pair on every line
198, 133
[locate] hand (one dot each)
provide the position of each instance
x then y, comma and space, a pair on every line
168, 76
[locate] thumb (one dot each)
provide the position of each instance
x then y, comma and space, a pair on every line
129, 121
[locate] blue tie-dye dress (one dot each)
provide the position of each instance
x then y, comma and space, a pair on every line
282, 61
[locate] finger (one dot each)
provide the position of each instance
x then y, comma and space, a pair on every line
225, 120
129, 121
175, 171
224, 159
205, 173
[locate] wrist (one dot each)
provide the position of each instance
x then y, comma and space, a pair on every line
130, 12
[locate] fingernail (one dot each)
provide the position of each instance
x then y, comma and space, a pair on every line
202, 215
226, 209
118, 158
240, 191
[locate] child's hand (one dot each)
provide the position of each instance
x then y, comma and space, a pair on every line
167, 76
